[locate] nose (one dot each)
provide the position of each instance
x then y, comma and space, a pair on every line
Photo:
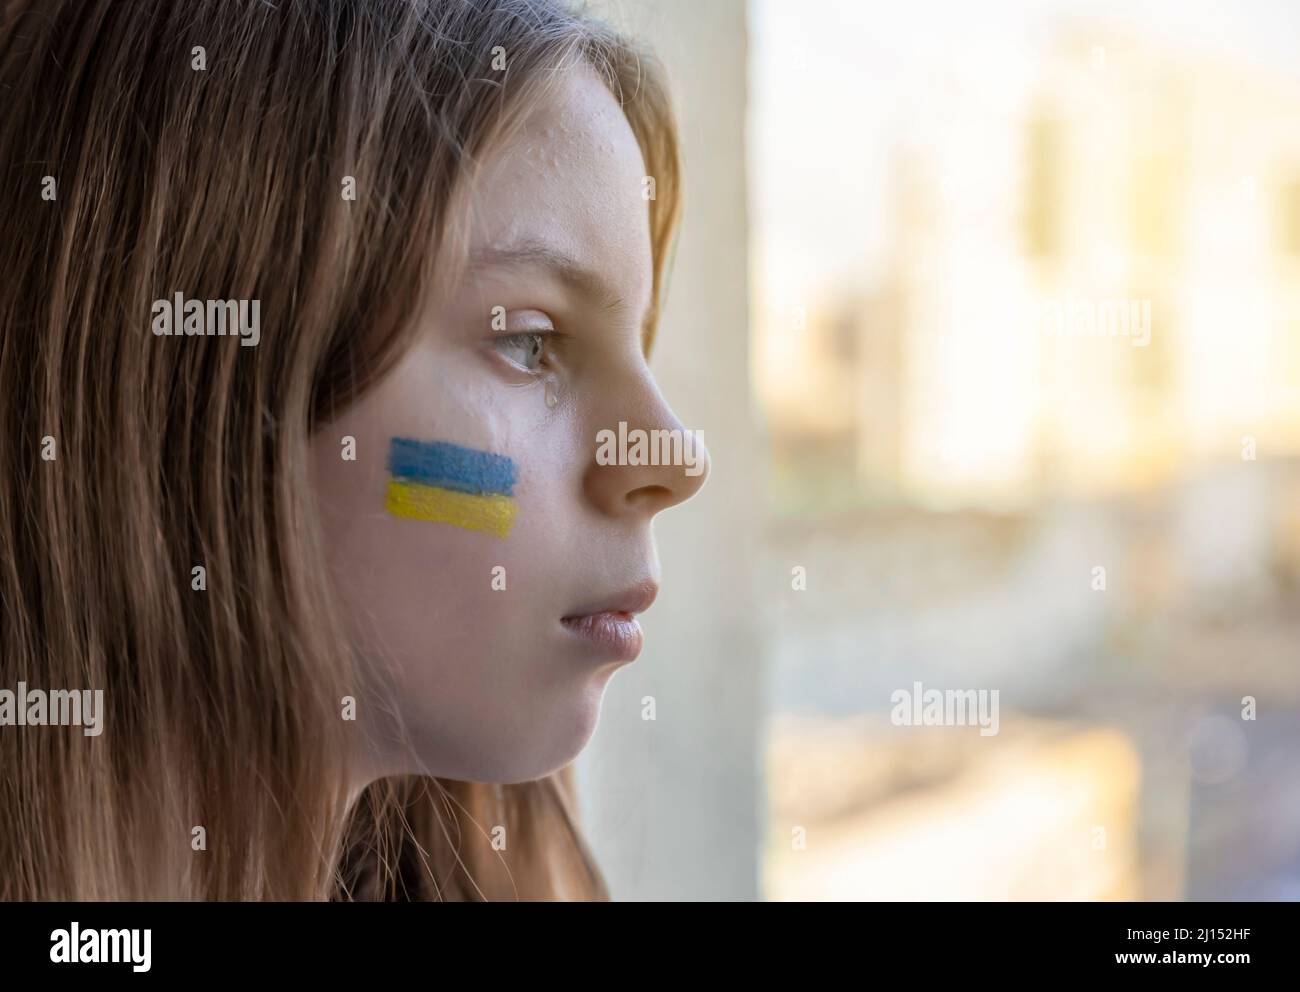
645, 461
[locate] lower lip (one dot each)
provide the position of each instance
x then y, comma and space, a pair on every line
615, 635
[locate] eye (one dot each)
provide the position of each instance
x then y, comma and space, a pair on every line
525, 349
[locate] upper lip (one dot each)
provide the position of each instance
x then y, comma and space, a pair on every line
636, 599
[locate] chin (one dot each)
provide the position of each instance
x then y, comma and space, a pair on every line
557, 742
530, 741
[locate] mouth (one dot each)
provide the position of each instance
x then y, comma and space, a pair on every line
610, 626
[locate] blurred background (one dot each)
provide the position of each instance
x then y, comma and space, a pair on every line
991, 315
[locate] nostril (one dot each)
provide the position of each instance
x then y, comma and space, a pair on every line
655, 497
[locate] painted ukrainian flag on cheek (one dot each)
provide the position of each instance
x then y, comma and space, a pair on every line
447, 484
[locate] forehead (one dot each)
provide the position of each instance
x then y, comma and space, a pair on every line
571, 177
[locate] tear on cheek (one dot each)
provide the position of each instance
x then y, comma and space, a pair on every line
443, 483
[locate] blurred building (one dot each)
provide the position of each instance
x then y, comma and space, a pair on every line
1122, 181
1080, 348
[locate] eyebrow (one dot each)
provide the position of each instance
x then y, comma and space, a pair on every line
568, 269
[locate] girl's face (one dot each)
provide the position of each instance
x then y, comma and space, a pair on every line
488, 562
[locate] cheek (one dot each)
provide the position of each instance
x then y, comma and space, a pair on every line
455, 619
457, 630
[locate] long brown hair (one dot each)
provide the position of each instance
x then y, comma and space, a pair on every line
203, 147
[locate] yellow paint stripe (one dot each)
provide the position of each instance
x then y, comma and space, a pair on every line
489, 512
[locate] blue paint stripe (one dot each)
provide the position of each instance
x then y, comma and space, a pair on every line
439, 463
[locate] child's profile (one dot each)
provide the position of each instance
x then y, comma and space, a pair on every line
313, 315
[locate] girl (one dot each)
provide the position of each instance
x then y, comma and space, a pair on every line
312, 313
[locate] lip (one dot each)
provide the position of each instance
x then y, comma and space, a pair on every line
610, 626
617, 636
635, 600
